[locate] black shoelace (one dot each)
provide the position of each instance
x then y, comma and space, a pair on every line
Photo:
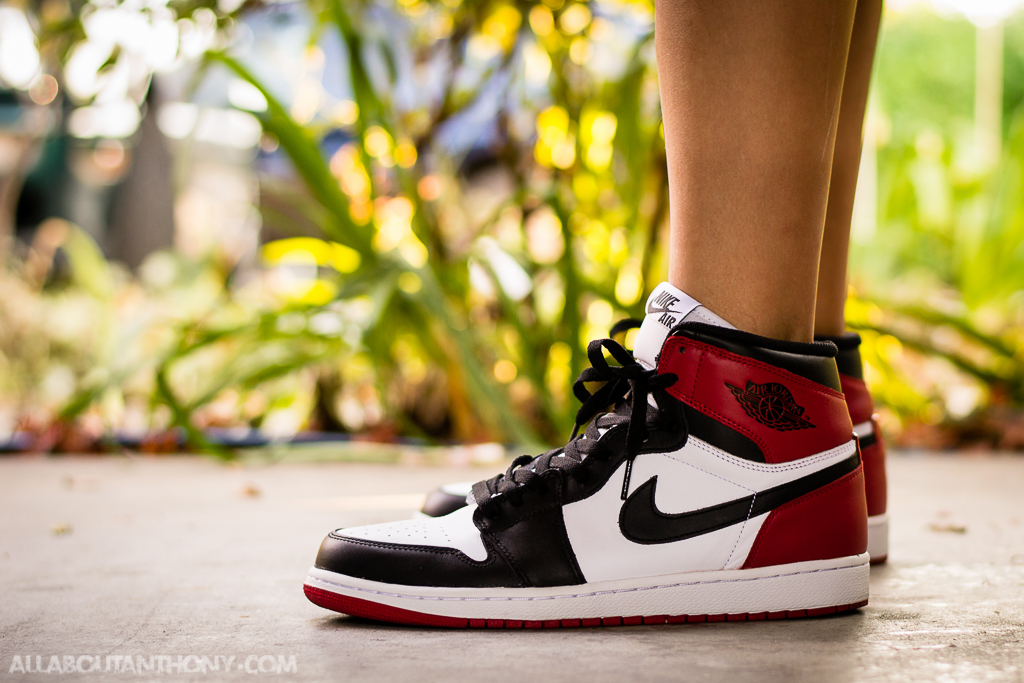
626, 388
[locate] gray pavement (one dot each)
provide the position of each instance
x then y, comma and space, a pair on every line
110, 559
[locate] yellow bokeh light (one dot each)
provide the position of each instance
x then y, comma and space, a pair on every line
555, 146
574, 19
563, 154
553, 120
595, 241
629, 285
482, 48
505, 371
348, 169
413, 251
544, 239
405, 154
361, 211
302, 249
409, 282
889, 348
537, 64
344, 113
600, 29
417, 8
618, 247
442, 26
559, 354
377, 142
599, 157
393, 218
430, 187
502, 24
401, 207
296, 261
585, 186
541, 20
602, 127
390, 234
600, 313
580, 51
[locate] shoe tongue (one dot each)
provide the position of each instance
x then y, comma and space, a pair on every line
667, 307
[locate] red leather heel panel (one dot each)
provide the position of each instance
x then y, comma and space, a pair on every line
827, 523
875, 483
710, 378
858, 399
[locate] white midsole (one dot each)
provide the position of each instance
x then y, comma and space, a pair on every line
878, 535
801, 585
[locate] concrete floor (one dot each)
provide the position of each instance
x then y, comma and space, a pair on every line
183, 556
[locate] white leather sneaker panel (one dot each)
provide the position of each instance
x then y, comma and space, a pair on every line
694, 477
455, 530
751, 528
684, 484
756, 476
704, 315
604, 554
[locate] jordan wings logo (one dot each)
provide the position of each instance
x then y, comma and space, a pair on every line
772, 405
663, 304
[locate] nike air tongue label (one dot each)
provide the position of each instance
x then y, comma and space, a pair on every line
666, 308
662, 307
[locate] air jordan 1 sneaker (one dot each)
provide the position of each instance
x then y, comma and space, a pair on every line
451, 497
713, 475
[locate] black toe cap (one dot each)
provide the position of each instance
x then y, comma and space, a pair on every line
412, 565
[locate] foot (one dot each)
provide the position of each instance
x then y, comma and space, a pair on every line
451, 497
726, 483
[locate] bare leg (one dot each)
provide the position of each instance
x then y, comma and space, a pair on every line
835, 246
750, 93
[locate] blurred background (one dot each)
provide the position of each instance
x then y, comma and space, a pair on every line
238, 223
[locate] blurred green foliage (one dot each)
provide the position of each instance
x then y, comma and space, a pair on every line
458, 286
940, 282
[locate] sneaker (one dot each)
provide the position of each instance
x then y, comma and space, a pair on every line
872, 445
725, 484
447, 499
451, 497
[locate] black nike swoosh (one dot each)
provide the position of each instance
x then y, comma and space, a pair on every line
641, 521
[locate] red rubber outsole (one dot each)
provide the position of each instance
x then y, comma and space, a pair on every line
357, 607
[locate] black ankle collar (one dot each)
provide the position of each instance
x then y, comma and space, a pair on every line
811, 360
848, 359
